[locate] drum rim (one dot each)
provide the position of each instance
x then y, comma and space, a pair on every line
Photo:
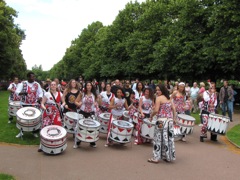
103, 117
126, 122
82, 120
44, 131
19, 113
72, 117
192, 118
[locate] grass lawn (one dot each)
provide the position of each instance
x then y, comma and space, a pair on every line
234, 134
8, 132
6, 177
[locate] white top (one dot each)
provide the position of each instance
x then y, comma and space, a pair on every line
105, 99
146, 105
118, 111
137, 95
50, 99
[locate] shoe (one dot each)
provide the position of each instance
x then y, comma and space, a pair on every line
10, 119
39, 150
201, 139
183, 139
75, 146
93, 145
153, 161
9, 122
200, 125
19, 135
35, 135
231, 120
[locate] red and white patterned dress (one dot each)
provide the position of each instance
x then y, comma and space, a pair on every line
179, 104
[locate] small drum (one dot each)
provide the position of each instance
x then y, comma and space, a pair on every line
28, 119
88, 130
218, 124
147, 129
121, 131
186, 123
53, 139
13, 107
71, 120
104, 119
126, 115
135, 117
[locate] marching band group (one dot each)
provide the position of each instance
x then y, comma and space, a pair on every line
160, 104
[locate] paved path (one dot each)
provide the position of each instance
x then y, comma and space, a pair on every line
195, 160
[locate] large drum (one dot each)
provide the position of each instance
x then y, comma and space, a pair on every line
104, 120
71, 120
53, 139
28, 119
121, 131
186, 123
218, 124
126, 115
13, 107
147, 128
88, 130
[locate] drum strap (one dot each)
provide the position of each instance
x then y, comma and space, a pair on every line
61, 114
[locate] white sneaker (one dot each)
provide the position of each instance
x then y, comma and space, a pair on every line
75, 146
9, 122
200, 125
35, 135
19, 135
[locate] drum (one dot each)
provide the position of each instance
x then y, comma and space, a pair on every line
88, 130
104, 119
28, 119
121, 131
135, 117
186, 123
218, 124
13, 107
71, 120
126, 115
53, 139
147, 128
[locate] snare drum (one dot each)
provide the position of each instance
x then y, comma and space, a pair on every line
147, 128
126, 115
70, 121
217, 124
88, 130
13, 107
121, 131
53, 139
186, 123
28, 119
104, 119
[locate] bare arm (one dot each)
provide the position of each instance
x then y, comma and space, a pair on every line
78, 101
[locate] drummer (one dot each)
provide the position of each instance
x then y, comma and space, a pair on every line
31, 93
105, 98
50, 104
145, 107
13, 96
88, 104
209, 106
178, 98
117, 105
163, 141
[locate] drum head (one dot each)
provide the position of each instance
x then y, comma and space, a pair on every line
146, 121
89, 123
126, 114
186, 117
15, 103
28, 113
53, 132
105, 116
121, 123
73, 115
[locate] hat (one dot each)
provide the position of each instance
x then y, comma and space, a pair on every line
181, 83
48, 79
63, 83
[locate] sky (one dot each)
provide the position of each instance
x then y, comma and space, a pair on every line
51, 25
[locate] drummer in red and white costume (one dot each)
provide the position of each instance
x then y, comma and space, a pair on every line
145, 107
178, 98
13, 96
209, 106
88, 104
118, 105
31, 93
105, 98
51, 104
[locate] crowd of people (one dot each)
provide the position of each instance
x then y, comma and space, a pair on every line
91, 98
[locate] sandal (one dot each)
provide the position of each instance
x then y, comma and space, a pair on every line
153, 161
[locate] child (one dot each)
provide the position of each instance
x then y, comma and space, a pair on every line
188, 105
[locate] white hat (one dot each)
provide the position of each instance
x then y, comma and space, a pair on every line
181, 83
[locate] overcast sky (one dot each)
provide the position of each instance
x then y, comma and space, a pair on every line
51, 25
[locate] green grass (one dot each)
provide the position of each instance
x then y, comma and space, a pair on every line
8, 132
6, 177
234, 134
197, 117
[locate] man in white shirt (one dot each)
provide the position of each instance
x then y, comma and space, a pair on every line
194, 94
134, 86
31, 93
